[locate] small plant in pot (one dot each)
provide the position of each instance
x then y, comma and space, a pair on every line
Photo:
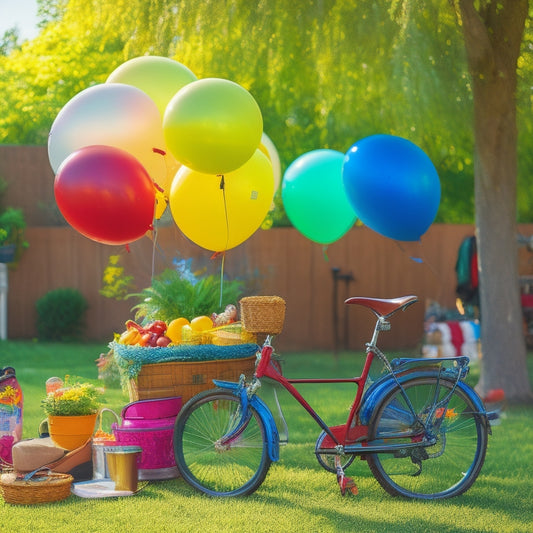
12, 235
72, 411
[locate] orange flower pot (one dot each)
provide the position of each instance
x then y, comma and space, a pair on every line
70, 432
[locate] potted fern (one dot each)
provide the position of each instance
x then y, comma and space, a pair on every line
180, 293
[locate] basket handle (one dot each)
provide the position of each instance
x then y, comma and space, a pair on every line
100, 417
29, 475
43, 429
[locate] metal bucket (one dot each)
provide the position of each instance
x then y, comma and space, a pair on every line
122, 464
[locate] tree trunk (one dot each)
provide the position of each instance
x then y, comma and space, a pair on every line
493, 33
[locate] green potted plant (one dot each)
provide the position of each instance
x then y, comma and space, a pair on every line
72, 411
12, 235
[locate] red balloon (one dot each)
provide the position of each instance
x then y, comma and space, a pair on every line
106, 194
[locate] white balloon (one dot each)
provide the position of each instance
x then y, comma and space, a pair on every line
113, 114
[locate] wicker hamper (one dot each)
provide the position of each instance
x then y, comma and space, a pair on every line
186, 379
43, 487
263, 314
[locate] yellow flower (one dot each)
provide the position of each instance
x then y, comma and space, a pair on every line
72, 400
9, 393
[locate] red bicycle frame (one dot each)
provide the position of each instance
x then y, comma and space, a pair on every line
351, 432
346, 433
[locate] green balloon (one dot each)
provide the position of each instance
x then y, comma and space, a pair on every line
159, 77
213, 126
314, 197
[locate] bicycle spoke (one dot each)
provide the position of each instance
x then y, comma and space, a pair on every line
234, 468
444, 469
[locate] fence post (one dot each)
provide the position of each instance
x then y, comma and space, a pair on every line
3, 301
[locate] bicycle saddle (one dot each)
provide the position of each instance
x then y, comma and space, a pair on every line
383, 307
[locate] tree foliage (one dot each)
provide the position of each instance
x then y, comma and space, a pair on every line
326, 73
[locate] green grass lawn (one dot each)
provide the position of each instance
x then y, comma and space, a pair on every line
297, 495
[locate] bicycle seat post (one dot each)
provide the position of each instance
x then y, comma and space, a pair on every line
381, 325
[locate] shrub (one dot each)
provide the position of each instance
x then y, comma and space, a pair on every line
60, 315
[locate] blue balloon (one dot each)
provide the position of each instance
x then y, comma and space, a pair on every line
392, 185
314, 197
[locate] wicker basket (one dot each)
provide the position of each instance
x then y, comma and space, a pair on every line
43, 487
263, 314
186, 379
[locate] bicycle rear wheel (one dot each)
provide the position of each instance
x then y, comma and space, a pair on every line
452, 464
235, 469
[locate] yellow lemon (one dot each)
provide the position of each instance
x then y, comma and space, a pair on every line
201, 323
174, 329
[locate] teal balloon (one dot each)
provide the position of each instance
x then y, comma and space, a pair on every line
314, 196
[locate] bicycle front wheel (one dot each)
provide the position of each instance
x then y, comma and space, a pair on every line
447, 468
234, 469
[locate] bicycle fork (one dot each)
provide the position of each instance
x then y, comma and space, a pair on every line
249, 399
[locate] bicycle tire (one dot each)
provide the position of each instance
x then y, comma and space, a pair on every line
327, 460
237, 469
446, 469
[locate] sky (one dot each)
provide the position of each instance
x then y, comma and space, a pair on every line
20, 13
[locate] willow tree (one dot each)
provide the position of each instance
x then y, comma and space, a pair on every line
493, 33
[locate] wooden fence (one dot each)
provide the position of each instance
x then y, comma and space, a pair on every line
277, 261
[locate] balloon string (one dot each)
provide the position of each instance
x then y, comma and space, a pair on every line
222, 278
223, 188
422, 259
325, 252
154, 244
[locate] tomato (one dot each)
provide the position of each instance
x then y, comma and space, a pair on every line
158, 326
163, 341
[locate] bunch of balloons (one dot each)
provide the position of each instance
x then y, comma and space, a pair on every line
387, 182
155, 133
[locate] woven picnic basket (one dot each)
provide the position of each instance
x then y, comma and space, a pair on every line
263, 314
40, 487
186, 379
183, 370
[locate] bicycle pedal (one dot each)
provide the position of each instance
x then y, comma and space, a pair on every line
347, 485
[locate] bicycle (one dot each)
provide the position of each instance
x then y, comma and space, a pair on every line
422, 430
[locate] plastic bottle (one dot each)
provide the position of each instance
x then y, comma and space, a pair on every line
52, 384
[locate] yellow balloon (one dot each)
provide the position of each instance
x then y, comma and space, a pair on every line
159, 77
220, 212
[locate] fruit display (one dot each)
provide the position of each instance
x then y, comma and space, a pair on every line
153, 334
200, 330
